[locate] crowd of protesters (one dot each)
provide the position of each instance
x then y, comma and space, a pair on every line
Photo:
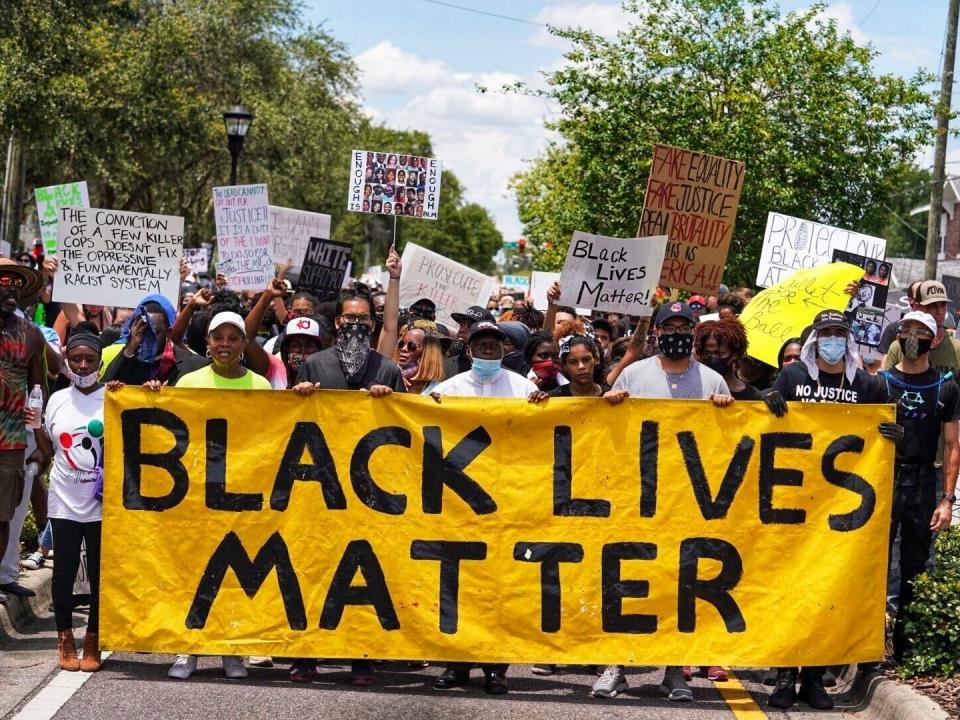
363, 340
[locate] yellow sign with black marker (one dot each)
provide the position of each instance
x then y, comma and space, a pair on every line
339, 525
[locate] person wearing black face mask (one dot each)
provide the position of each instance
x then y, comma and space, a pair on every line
927, 400
721, 345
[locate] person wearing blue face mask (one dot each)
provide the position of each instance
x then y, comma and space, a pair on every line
486, 378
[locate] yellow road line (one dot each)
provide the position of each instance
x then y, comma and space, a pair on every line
739, 700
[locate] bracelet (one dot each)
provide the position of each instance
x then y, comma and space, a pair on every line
394, 277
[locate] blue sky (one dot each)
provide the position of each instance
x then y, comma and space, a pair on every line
421, 61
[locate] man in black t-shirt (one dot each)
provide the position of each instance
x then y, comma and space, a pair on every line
927, 400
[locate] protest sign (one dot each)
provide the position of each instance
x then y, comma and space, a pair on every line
872, 290
244, 245
339, 522
394, 184
114, 257
451, 286
791, 244
516, 282
540, 282
198, 259
692, 198
604, 273
49, 201
324, 268
291, 231
952, 285
782, 311
871, 353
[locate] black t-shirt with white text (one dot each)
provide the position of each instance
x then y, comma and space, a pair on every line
924, 402
795, 384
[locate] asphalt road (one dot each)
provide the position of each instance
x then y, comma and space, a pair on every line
136, 686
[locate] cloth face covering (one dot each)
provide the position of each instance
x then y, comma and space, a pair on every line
676, 346
721, 366
353, 347
913, 347
81, 381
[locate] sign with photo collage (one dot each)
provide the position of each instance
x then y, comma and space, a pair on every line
867, 307
394, 184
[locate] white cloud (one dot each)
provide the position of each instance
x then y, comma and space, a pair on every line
842, 13
388, 69
604, 18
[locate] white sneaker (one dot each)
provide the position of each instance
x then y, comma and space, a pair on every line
233, 667
611, 683
33, 561
183, 667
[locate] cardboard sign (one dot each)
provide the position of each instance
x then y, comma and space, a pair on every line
113, 257
872, 290
784, 310
291, 231
692, 198
324, 268
452, 287
414, 537
540, 282
871, 353
790, 244
516, 282
394, 184
604, 273
49, 201
244, 244
198, 259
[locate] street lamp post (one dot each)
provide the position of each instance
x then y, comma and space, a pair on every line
237, 121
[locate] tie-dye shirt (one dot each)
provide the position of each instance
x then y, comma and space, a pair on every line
13, 383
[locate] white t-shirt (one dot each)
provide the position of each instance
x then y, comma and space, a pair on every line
74, 422
505, 384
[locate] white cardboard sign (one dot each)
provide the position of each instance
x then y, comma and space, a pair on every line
114, 257
452, 286
291, 231
244, 244
791, 244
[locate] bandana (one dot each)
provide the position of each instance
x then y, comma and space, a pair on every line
353, 348
167, 361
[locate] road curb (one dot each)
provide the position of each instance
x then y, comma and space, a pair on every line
19, 612
886, 699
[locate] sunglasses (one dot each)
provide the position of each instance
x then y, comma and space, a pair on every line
410, 345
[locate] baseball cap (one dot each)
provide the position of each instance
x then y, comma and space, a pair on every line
425, 308
673, 310
474, 314
920, 317
302, 326
697, 300
506, 301
227, 318
484, 327
830, 318
931, 291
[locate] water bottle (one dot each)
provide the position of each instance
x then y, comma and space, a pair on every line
35, 402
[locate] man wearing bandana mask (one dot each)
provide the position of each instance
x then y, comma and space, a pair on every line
672, 374
928, 402
351, 364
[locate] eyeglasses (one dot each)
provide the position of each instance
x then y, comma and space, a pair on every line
350, 318
410, 345
676, 329
919, 334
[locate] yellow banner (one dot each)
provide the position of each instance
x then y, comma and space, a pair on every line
342, 526
783, 310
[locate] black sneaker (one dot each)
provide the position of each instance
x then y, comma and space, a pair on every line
451, 678
784, 695
811, 690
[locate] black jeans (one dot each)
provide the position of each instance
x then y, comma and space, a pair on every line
487, 668
67, 536
914, 500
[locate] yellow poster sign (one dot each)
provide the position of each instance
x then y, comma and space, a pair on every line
345, 526
783, 310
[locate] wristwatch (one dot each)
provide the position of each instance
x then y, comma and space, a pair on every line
951, 498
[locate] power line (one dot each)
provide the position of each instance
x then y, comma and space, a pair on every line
867, 16
487, 13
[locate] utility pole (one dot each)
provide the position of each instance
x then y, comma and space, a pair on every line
940, 151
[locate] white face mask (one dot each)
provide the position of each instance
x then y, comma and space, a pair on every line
82, 381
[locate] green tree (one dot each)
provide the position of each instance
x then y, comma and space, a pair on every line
823, 135
906, 234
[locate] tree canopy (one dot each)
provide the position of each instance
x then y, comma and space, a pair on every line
822, 134
129, 95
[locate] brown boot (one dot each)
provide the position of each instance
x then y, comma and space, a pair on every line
91, 653
68, 651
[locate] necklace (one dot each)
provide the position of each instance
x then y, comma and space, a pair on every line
675, 383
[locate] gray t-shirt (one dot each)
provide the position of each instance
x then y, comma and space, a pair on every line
646, 379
